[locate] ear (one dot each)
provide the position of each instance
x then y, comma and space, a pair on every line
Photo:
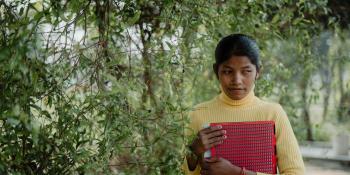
258, 71
216, 70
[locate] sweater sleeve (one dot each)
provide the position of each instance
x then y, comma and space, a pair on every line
289, 159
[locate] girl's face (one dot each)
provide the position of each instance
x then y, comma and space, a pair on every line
237, 76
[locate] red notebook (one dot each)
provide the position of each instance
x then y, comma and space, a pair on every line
249, 144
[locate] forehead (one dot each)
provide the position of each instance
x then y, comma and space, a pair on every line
238, 62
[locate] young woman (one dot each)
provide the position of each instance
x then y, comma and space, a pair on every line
237, 68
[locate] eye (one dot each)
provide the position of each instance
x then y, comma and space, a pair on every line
247, 71
226, 72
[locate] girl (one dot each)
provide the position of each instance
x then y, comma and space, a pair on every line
237, 68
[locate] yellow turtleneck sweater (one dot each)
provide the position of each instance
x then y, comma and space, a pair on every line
223, 109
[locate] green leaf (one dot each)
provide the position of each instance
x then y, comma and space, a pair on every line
275, 18
13, 122
63, 17
135, 18
46, 114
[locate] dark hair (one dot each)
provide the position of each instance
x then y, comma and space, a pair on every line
238, 45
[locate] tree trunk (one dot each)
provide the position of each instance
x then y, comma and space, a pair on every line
101, 12
327, 85
147, 75
327, 68
305, 109
342, 108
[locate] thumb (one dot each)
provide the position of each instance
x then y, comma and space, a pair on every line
212, 159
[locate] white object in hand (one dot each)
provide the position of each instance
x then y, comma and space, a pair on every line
207, 154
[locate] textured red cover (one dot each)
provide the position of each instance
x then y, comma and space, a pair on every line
249, 144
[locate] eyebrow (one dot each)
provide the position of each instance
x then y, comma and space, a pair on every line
244, 67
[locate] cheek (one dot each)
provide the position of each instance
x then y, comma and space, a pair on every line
224, 79
249, 80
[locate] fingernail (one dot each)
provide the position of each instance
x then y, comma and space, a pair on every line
225, 136
220, 126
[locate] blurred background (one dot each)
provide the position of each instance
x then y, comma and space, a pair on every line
105, 86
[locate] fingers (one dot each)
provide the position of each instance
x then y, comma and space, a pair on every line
211, 136
212, 132
212, 129
205, 168
216, 139
218, 133
205, 172
212, 160
205, 165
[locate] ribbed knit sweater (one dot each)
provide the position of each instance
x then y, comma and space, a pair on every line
251, 108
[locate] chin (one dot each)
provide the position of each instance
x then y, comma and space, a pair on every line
235, 96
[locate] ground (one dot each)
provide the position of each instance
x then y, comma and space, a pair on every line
322, 167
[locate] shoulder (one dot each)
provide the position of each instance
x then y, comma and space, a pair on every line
205, 105
269, 104
197, 113
271, 107
203, 108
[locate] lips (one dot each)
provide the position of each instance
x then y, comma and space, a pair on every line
236, 90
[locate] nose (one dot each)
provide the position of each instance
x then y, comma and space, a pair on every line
236, 79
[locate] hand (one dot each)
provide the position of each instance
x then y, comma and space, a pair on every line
207, 138
219, 166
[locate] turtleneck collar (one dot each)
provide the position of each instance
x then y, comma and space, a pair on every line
237, 103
